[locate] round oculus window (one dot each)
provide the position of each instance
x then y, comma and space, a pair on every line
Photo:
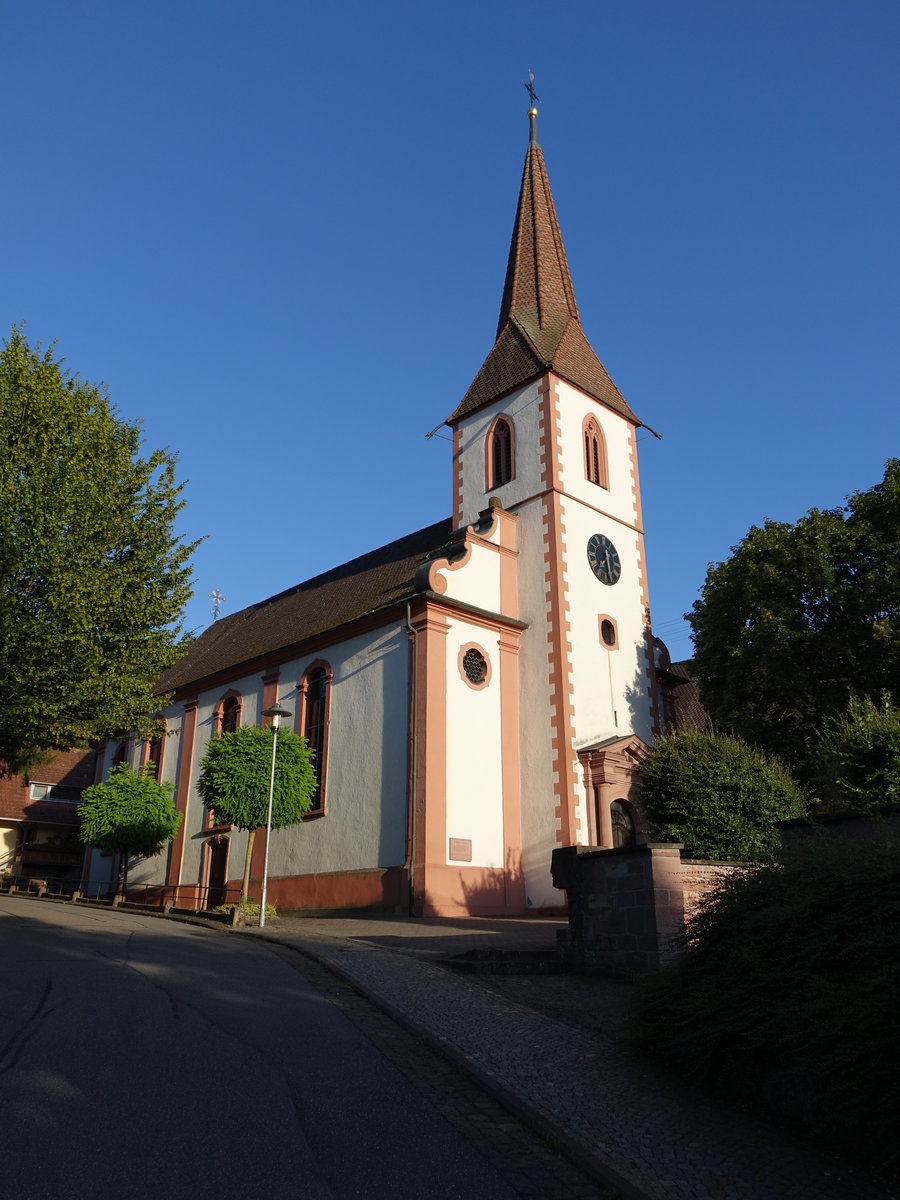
474, 666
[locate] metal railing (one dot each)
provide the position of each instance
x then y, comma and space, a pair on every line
189, 897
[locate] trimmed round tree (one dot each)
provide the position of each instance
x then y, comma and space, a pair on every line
131, 813
234, 780
718, 796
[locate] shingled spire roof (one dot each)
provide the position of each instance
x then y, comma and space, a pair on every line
539, 328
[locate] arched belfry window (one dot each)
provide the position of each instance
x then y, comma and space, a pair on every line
596, 469
313, 723
500, 454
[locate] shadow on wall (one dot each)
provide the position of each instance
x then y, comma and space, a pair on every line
496, 890
636, 697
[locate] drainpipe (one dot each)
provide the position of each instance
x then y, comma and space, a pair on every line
414, 757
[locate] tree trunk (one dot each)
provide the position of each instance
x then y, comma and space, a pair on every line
125, 875
245, 889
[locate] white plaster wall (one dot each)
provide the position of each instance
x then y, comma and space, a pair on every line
250, 688
539, 822
523, 408
610, 686
477, 582
474, 765
618, 500
365, 821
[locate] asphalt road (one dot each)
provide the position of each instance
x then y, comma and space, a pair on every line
142, 1058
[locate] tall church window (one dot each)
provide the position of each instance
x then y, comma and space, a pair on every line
227, 716
500, 454
315, 714
152, 754
596, 469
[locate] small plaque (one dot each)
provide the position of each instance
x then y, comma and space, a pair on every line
461, 849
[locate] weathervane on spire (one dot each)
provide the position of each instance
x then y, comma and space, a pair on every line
529, 88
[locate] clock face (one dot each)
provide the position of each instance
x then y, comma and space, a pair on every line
604, 559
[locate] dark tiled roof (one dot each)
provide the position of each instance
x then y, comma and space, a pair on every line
368, 583
687, 711
539, 327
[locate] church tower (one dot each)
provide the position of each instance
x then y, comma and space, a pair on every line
544, 434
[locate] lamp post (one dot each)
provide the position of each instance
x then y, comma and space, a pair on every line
277, 714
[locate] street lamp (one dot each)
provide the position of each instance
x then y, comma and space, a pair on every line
277, 714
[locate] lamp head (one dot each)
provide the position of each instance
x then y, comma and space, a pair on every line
277, 715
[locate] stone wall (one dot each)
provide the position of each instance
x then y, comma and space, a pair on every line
701, 878
629, 908
626, 906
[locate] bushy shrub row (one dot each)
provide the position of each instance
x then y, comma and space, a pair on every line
787, 995
717, 796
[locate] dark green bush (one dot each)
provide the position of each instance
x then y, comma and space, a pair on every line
858, 759
718, 796
787, 995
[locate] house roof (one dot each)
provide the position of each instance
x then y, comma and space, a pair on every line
355, 589
539, 327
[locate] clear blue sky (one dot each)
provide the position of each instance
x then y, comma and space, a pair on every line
278, 232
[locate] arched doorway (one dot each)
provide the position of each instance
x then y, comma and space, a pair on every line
623, 831
216, 872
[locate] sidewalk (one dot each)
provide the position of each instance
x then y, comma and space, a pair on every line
550, 1048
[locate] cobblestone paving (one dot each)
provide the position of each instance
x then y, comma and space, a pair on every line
528, 1164
665, 1143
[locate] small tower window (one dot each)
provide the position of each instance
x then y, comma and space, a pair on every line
596, 469
500, 454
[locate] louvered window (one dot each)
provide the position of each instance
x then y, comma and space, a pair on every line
595, 466
501, 453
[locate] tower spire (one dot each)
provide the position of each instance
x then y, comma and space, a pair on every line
539, 328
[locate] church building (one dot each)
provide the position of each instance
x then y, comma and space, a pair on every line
476, 693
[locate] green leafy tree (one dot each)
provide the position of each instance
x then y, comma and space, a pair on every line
131, 813
234, 780
800, 618
93, 578
720, 797
858, 758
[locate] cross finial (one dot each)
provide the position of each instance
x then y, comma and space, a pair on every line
218, 600
529, 88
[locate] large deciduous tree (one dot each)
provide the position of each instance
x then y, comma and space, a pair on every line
131, 813
93, 577
235, 775
800, 618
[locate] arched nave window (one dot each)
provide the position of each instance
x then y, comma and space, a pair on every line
227, 715
313, 723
